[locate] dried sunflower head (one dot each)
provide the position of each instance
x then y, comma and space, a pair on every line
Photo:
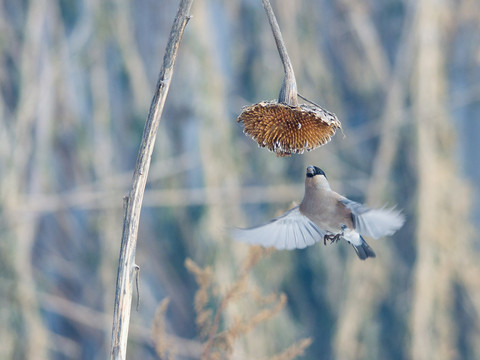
286, 129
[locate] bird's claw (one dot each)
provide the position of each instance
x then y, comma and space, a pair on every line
333, 238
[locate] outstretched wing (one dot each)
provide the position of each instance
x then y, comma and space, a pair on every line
374, 222
292, 230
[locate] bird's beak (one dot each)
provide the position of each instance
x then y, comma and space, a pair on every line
310, 171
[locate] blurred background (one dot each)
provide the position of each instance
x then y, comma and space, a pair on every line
76, 82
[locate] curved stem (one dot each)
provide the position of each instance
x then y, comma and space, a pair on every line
288, 91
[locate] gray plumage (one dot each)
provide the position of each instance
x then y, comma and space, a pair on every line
324, 215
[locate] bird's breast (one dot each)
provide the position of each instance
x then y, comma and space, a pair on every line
326, 212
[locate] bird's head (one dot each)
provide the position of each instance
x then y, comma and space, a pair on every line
316, 178
313, 171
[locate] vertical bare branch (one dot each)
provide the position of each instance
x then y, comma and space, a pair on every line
123, 295
35, 106
441, 212
393, 111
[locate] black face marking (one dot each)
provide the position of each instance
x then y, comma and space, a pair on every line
314, 170
319, 171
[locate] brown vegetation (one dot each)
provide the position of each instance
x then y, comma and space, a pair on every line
219, 343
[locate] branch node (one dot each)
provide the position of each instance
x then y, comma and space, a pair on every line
137, 276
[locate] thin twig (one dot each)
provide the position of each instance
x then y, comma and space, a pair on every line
137, 275
126, 265
288, 91
309, 101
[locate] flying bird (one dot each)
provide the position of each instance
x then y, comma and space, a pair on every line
324, 215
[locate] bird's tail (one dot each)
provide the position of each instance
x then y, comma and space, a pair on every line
363, 250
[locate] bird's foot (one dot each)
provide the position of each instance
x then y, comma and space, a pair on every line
336, 238
332, 238
326, 237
